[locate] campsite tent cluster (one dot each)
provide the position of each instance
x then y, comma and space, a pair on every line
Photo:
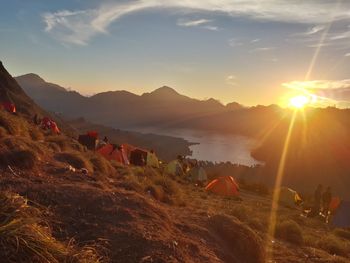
46, 123
125, 153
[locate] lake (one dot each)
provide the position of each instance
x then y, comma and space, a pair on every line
214, 147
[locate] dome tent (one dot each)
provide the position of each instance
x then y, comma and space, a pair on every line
224, 185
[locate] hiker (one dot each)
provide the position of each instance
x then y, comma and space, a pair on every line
36, 119
317, 201
326, 201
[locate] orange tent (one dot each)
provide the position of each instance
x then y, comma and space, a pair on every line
113, 152
224, 185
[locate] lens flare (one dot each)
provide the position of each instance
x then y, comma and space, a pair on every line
299, 101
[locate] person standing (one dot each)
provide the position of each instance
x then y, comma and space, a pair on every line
326, 201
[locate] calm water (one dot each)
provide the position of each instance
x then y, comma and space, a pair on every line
215, 147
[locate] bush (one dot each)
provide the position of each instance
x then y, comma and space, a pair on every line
290, 231
26, 237
75, 159
24, 159
334, 246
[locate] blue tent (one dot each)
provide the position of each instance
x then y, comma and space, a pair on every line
342, 215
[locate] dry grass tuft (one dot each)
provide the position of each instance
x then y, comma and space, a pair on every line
12, 124
290, 231
75, 159
24, 159
60, 141
101, 165
26, 237
334, 245
343, 233
241, 241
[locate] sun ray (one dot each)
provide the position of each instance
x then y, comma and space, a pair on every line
278, 182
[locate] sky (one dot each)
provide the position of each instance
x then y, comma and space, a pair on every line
248, 51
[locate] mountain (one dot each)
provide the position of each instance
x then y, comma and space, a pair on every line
163, 107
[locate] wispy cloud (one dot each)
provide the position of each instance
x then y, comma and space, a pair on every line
261, 49
78, 27
318, 84
314, 30
255, 40
190, 23
235, 42
231, 80
347, 55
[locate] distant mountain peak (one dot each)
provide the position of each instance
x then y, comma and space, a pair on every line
32, 77
165, 90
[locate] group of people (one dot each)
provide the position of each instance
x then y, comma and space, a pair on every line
322, 201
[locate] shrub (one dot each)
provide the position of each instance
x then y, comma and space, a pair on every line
75, 159
24, 159
342, 233
101, 165
290, 231
333, 245
26, 237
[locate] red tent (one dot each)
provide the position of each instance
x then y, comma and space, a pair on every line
113, 152
92, 134
48, 124
8, 106
224, 185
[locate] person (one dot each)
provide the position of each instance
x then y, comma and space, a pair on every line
317, 201
105, 140
326, 201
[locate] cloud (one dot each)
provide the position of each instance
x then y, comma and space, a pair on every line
190, 23
261, 49
235, 42
347, 55
78, 27
334, 91
314, 30
318, 84
255, 40
231, 80
212, 28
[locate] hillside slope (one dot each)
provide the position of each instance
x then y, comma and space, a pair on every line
132, 214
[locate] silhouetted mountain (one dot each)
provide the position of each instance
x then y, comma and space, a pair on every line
163, 107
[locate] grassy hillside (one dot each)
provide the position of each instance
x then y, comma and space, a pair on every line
131, 214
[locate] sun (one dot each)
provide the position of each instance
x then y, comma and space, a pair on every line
299, 101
